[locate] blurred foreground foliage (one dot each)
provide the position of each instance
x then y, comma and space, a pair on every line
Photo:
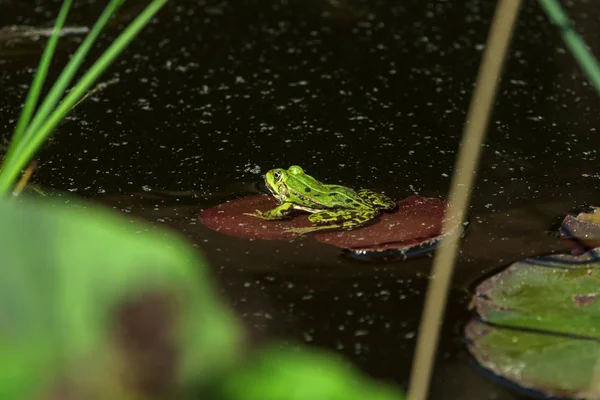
94, 305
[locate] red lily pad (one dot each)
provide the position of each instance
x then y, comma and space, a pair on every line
229, 218
416, 222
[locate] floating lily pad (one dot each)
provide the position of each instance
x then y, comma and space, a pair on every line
555, 365
417, 220
539, 323
582, 231
229, 218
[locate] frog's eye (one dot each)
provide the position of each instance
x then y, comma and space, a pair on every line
295, 169
277, 176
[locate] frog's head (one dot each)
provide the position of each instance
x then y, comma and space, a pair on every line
275, 180
278, 180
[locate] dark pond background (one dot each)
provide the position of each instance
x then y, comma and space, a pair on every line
362, 93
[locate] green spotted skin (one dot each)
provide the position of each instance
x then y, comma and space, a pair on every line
331, 206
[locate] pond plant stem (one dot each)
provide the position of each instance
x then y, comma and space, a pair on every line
460, 193
574, 42
24, 179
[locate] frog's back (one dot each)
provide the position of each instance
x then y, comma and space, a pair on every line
317, 195
307, 191
343, 197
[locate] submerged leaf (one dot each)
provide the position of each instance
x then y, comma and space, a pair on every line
23, 32
417, 220
539, 323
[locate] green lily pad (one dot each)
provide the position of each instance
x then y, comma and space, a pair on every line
539, 323
78, 283
555, 365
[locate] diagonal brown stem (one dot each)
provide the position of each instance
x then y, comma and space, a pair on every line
460, 194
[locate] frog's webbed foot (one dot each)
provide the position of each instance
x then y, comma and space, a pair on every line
257, 214
378, 200
279, 212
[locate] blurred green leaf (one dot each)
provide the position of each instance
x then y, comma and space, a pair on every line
281, 373
67, 269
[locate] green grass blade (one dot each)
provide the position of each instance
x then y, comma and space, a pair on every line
25, 150
59, 87
42, 71
574, 42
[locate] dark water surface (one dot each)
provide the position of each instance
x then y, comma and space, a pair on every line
362, 93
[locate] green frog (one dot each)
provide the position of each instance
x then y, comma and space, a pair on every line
331, 206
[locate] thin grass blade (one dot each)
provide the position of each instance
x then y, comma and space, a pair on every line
40, 75
66, 76
25, 150
574, 42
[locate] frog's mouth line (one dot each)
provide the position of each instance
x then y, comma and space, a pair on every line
279, 197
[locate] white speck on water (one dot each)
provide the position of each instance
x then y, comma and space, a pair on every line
518, 82
358, 348
253, 169
536, 118
299, 83
144, 104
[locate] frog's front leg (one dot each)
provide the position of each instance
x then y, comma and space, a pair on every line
342, 219
379, 200
279, 212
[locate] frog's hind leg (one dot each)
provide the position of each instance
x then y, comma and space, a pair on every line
342, 219
378, 200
